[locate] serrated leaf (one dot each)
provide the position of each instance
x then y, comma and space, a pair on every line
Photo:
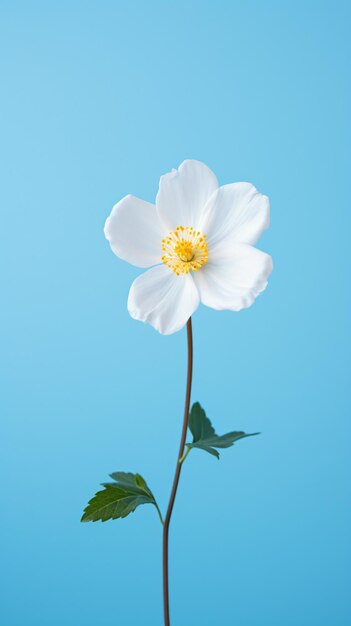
141, 483
118, 499
204, 435
199, 424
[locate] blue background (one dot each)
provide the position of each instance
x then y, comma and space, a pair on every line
98, 100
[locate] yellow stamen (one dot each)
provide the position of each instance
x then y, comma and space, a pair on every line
185, 249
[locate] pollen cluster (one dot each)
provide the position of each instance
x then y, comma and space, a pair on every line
184, 249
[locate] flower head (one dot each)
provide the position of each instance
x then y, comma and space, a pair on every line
199, 239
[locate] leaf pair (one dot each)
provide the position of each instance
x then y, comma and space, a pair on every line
204, 435
119, 498
128, 491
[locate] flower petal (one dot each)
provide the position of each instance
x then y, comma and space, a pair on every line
237, 211
183, 194
234, 277
162, 299
134, 232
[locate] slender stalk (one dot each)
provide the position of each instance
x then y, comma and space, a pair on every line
177, 475
159, 513
184, 455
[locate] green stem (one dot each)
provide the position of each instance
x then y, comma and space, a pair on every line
182, 458
159, 513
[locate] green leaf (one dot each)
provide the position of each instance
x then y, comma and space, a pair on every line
119, 499
204, 435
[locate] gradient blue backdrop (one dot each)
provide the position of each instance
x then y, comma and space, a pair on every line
98, 100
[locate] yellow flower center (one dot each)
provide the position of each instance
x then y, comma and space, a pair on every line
184, 249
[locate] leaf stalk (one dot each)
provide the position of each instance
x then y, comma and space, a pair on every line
159, 513
182, 458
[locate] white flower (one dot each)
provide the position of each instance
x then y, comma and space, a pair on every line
199, 237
